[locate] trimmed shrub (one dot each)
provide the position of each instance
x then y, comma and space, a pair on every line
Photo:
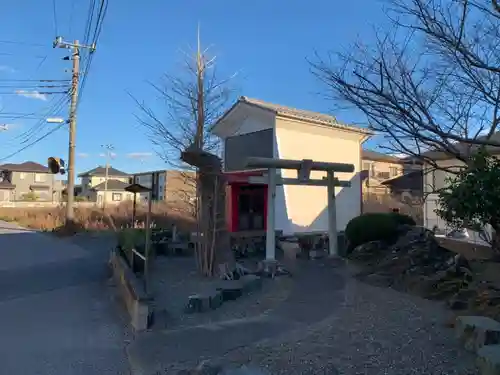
403, 219
380, 226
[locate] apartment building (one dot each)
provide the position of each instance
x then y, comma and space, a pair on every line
172, 186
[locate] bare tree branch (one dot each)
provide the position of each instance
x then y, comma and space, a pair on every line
432, 83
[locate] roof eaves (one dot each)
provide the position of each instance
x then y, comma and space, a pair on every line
337, 125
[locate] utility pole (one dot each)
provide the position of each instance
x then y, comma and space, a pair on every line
109, 148
75, 56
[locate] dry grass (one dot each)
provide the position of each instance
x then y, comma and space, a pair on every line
95, 219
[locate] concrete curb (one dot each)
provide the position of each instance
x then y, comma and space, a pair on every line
131, 290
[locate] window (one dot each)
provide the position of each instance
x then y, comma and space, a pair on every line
393, 171
372, 170
117, 197
22, 175
39, 177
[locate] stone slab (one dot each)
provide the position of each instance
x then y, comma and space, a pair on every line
488, 360
477, 331
251, 283
216, 299
317, 254
198, 303
230, 289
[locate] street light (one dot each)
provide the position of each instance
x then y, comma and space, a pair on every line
56, 120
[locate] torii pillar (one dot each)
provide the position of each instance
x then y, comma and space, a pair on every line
304, 168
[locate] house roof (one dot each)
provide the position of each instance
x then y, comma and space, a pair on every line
379, 156
299, 114
28, 166
112, 185
101, 172
464, 148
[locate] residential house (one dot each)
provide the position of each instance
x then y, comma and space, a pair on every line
252, 127
28, 181
377, 168
436, 179
171, 186
95, 188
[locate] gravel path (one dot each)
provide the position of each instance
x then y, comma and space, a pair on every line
375, 331
175, 279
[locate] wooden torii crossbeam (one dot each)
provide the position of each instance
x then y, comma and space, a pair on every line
304, 168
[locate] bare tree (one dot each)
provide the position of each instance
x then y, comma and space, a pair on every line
432, 83
192, 101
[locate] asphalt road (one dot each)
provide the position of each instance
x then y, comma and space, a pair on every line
57, 315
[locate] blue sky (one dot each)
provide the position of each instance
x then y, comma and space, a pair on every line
266, 42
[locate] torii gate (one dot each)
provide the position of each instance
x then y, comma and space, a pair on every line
304, 168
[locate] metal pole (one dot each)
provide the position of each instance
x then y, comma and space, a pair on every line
332, 215
105, 182
147, 244
134, 208
72, 134
108, 148
270, 225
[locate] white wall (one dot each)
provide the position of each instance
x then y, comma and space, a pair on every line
304, 208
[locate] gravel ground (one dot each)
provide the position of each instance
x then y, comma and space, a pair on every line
375, 331
175, 279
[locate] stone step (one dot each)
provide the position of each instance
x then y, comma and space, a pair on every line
477, 331
488, 360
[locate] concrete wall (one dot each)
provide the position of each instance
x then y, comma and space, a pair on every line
436, 179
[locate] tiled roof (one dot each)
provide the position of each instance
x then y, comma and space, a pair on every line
112, 185
28, 166
301, 114
101, 172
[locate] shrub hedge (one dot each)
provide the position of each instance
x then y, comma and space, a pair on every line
375, 227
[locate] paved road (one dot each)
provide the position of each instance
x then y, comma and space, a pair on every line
56, 313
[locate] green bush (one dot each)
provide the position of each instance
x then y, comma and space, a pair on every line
30, 197
403, 219
375, 227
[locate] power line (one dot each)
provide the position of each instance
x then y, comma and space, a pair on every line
55, 17
38, 92
35, 80
52, 109
97, 32
22, 43
34, 142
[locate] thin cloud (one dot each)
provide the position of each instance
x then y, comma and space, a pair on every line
139, 155
83, 155
32, 94
7, 69
103, 155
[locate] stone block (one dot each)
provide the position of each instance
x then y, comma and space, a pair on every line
251, 283
230, 289
317, 254
488, 360
198, 303
477, 331
216, 299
